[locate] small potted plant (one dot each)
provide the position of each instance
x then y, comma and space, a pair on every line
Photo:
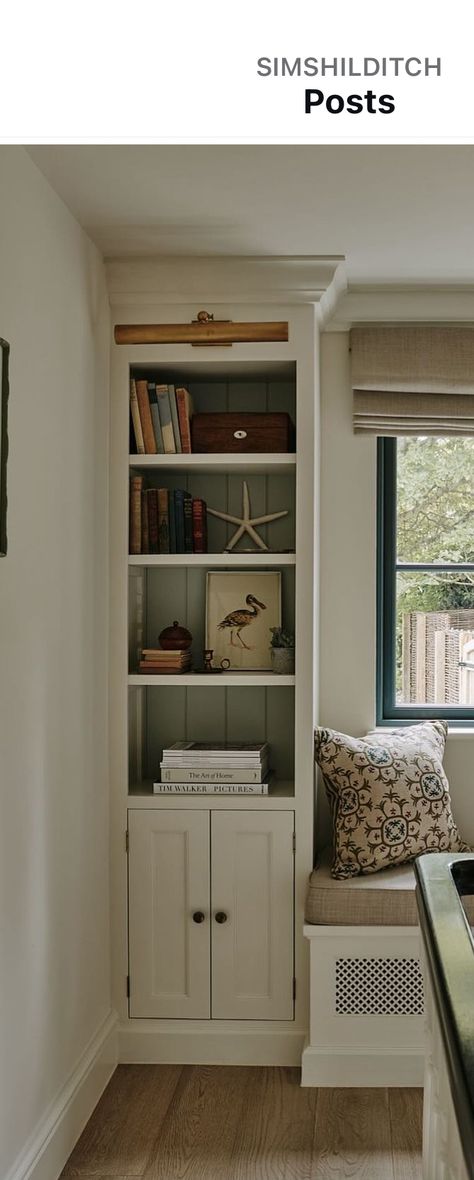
282, 646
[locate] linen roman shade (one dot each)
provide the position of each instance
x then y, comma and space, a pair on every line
415, 379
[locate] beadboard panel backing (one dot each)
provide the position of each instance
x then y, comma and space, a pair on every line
212, 396
160, 716
268, 493
158, 595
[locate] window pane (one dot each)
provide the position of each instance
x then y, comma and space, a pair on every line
435, 499
435, 639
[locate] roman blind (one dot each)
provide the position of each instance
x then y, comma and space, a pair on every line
413, 379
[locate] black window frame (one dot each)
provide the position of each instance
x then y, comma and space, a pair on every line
388, 712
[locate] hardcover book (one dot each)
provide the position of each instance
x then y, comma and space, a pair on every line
165, 419
251, 748
210, 774
199, 526
172, 522
137, 426
217, 754
188, 522
161, 653
145, 417
185, 413
163, 521
150, 666
211, 788
152, 520
178, 497
136, 488
145, 531
174, 418
155, 417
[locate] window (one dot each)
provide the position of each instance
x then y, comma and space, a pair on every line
425, 649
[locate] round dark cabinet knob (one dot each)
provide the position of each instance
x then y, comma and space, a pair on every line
221, 917
198, 916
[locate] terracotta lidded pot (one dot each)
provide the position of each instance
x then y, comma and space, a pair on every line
175, 638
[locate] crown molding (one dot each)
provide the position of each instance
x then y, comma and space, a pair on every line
397, 305
227, 279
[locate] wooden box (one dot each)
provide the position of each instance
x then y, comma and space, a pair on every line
236, 433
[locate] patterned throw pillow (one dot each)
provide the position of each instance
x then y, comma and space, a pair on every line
389, 796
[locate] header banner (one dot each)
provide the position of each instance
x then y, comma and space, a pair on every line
258, 71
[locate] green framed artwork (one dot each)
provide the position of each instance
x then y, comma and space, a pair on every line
4, 359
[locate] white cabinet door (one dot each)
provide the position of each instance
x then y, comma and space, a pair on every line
169, 908
252, 915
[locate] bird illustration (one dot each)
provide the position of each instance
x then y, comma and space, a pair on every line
238, 619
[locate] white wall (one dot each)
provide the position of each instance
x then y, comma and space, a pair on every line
54, 929
348, 579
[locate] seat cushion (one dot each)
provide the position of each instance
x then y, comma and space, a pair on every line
384, 899
389, 796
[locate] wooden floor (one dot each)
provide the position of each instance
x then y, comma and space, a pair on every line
167, 1122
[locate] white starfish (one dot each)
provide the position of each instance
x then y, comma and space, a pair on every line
246, 522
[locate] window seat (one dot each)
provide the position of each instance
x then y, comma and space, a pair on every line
366, 986
377, 899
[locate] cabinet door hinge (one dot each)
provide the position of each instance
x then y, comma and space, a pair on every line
294, 841
127, 841
294, 988
128, 987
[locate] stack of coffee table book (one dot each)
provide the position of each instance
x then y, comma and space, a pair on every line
215, 768
154, 660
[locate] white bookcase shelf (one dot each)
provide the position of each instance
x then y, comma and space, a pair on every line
209, 560
281, 796
210, 680
255, 464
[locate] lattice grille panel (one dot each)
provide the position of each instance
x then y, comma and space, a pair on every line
379, 987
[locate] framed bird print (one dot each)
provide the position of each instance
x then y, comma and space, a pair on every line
240, 610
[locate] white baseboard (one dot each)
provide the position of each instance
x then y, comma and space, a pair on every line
52, 1141
354, 1067
216, 1047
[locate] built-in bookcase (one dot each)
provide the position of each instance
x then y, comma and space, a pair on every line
250, 706
247, 855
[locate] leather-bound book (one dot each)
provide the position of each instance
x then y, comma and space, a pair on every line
188, 523
199, 526
174, 418
185, 412
136, 422
152, 503
136, 488
145, 417
164, 408
178, 498
163, 521
155, 417
145, 529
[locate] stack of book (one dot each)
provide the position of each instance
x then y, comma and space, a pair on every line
166, 521
161, 417
215, 768
154, 659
